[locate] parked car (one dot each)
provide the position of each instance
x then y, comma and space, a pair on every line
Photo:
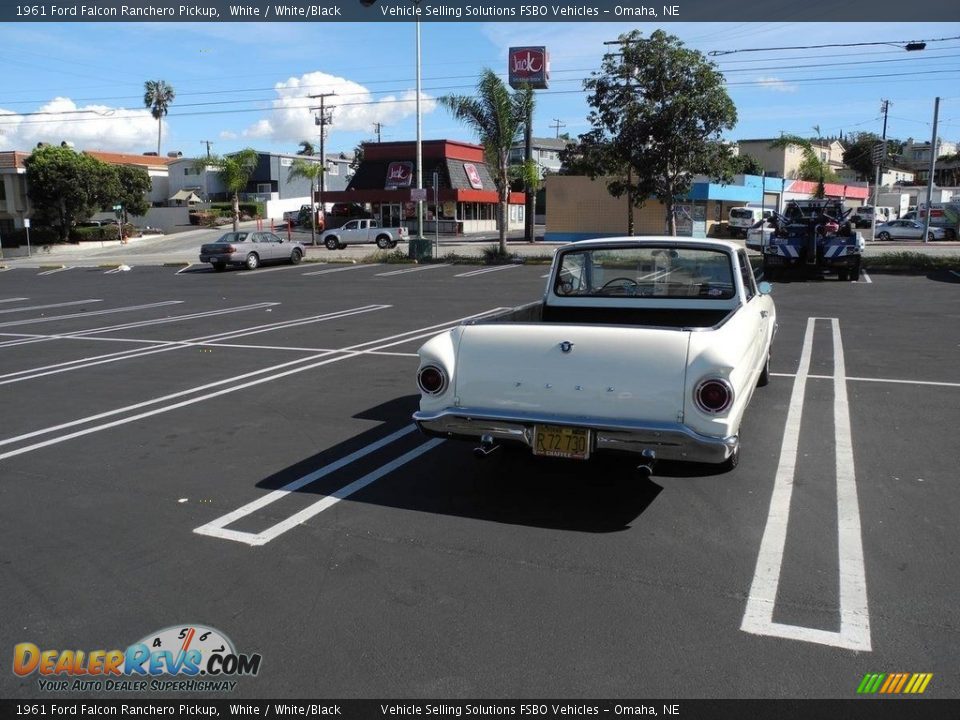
908, 230
759, 235
651, 346
250, 249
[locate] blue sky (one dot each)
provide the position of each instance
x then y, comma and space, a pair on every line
245, 85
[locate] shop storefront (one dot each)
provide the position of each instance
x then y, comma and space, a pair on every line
461, 196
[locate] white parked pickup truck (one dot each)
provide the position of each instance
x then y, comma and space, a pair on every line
647, 345
363, 231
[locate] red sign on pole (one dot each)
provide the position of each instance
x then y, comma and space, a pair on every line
529, 66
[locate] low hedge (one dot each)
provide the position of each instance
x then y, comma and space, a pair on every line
103, 232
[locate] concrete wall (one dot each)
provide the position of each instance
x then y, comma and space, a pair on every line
579, 208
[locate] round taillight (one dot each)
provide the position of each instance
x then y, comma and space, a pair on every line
713, 395
432, 380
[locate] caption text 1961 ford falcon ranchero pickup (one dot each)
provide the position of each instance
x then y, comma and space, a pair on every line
649, 345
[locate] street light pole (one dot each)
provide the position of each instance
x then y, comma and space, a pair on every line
420, 237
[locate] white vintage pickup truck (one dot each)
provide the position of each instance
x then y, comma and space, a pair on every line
363, 231
649, 345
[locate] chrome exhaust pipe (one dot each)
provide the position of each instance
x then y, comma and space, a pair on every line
485, 448
646, 467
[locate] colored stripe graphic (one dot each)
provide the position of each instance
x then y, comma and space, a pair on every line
894, 683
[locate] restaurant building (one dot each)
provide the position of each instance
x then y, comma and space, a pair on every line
464, 199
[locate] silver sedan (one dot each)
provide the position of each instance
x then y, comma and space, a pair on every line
908, 230
250, 249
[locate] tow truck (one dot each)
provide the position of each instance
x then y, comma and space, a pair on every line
813, 237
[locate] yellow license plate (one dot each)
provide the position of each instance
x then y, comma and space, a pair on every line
562, 442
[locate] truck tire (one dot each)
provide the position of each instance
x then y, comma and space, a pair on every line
842, 275
332, 242
383, 241
855, 273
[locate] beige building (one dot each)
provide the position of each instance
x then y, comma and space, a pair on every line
14, 203
785, 162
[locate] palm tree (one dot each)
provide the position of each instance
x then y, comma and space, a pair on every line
497, 116
234, 171
157, 95
306, 148
309, 171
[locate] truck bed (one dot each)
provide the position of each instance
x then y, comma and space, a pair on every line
538, 312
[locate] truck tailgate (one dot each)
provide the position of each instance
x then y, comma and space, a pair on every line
617, 373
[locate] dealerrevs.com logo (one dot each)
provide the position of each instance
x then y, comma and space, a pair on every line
178, 658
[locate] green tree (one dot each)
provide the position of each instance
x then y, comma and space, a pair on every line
658, 111
745, 164
234, 172
134, 184
158, 95
311, 171
66, 187
858, 154
497, 116
811, 167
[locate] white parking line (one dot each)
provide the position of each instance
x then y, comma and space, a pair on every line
47, 307
79, 334
184, 269
234, 383
205, 340
851, 378
484, 271
854, 613
54, 271
338, 269
418, 268
6, 300
215, 528
129, 308
263, 271
864, 277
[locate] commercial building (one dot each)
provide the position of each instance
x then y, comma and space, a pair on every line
461, 195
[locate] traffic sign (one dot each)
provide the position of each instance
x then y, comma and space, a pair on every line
418, 194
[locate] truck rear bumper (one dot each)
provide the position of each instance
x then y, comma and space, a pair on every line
670, 441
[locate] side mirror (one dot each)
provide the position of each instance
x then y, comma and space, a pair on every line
765, 288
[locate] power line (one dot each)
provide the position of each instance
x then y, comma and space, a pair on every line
907, 44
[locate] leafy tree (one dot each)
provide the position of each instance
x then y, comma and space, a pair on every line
235, 172
157, 95
311, 171
66, 187
134, 183
745, 164
498, 117
811, 167
658, 113
358, 155
858, 154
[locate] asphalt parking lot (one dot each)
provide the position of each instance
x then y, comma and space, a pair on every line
234, 450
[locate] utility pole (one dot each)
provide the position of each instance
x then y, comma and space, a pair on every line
884, 108
323, 119
933, 167
208, 143
377, 127
557, 124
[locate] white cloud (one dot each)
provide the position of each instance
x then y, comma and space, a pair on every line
228, 135
354, 108
776, 84
88, 127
